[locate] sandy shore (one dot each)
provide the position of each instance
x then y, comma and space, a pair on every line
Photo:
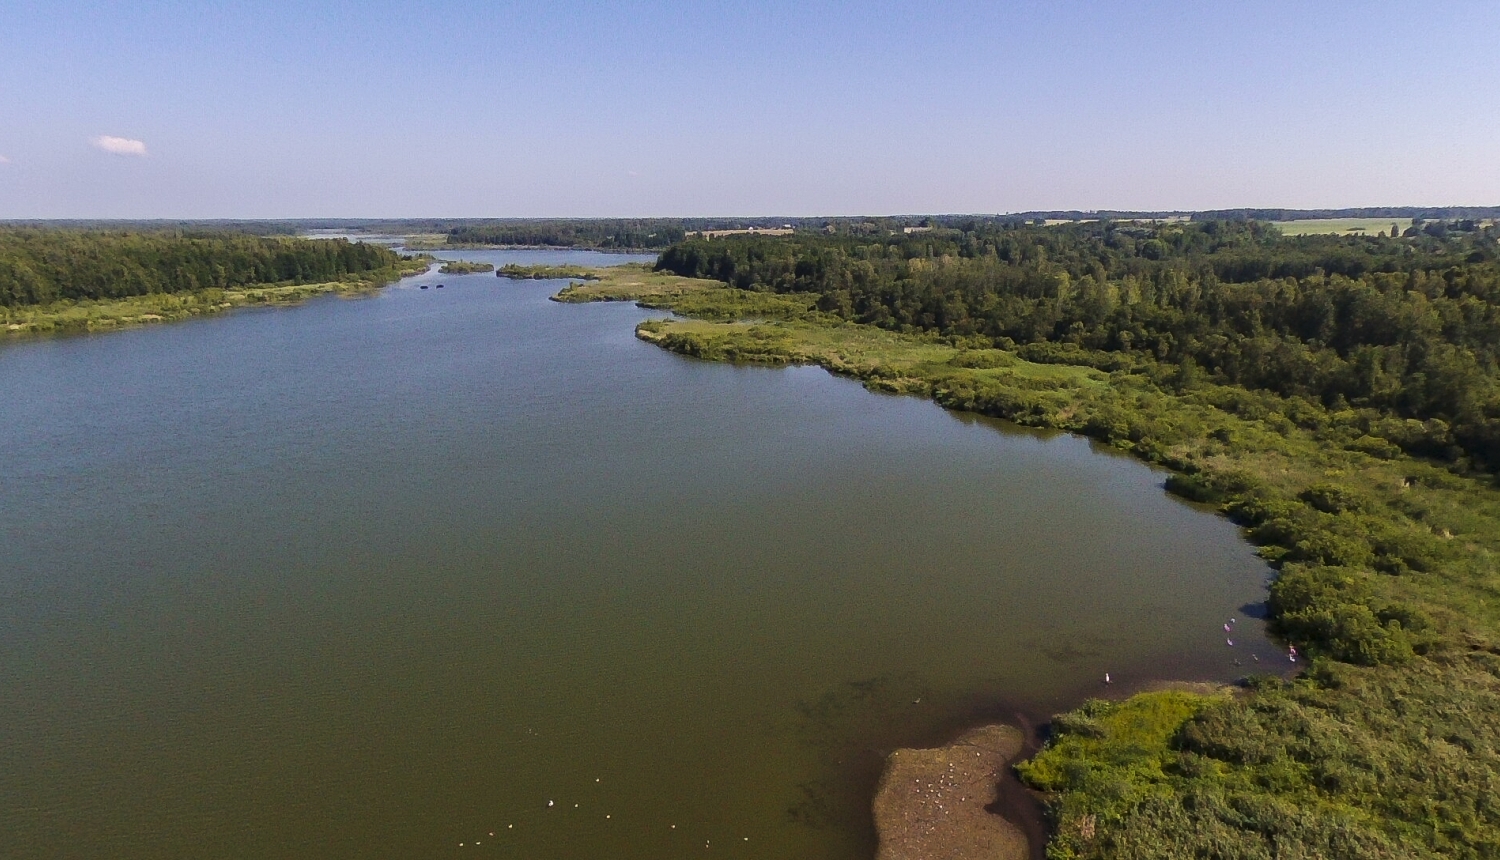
934, 804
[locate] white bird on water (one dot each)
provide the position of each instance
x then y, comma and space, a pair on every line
1106, 678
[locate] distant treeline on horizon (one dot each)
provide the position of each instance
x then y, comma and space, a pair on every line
660, 233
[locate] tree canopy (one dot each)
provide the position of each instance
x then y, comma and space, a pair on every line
1404, 330
38, 266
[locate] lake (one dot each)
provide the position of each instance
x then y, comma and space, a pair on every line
465, 572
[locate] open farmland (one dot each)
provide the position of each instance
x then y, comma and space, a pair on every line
1340, 226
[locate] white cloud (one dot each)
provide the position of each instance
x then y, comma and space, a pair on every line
120, 145
4, 160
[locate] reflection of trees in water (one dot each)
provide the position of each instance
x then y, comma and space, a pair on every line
852, 727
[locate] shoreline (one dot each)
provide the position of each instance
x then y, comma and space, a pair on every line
102, 315
687, 334
1110, 769
937, 801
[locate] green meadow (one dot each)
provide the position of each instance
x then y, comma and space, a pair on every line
1341, 226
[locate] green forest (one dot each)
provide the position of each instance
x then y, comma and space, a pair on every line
618, 234
1406, 332
42, 266
1336, 396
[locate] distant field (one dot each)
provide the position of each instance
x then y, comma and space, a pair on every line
1170, 219
1343, 226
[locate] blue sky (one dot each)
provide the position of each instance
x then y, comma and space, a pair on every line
305, 109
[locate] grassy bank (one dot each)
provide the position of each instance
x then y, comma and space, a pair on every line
541, 273
464, 267
107, 314
1388, 746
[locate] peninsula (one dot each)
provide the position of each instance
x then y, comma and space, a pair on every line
1330, 394
63, 280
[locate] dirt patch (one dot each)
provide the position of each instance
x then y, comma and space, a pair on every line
932, 803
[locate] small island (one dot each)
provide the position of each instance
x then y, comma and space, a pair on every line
515, 272
1187, 346
465, 267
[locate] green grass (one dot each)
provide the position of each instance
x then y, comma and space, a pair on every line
1333, 765
108, 314
1125, 743
464, 267
517, 272
631, 282
1340, 226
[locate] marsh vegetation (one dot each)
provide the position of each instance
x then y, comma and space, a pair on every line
1337, 397
516, 271
464, 267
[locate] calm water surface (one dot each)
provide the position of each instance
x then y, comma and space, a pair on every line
378, 577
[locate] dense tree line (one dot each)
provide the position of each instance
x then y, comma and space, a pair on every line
1438, 213
1405, 331
603, 233
38, 266
159, 225
1449, 213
